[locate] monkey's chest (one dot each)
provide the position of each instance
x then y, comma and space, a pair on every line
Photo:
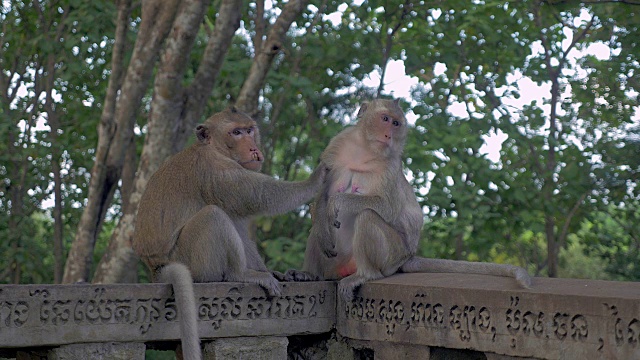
355, 182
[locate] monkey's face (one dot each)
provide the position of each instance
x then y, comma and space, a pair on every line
234, 135
386, 130
242, 143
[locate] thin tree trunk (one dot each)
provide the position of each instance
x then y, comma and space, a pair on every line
165, 109
388, 46
249, 93
554, 240
199, 90
56, 154
116, 128
167, 106
260, 26
54, 124
129, 174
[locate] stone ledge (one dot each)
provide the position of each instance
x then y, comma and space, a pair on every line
410, 313
46, 315
556, 319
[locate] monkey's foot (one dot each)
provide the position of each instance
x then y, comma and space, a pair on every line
348, 286
269, 283
346, 292
278, 275
298, 275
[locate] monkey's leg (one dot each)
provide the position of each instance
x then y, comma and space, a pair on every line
210, 245
379, 251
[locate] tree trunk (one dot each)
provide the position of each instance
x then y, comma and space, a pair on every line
168, 114
115, 131
219, 42
53, 120
552, 247
54, 124
250, 91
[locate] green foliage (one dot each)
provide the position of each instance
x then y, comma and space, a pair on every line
71, 41
578, 265
568, 163
159, 355
614, 237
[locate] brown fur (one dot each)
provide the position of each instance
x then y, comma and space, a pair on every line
367, 220
197, 206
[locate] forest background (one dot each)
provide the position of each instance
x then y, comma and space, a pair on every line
95, 95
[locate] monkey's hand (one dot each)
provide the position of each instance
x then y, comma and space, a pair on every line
319, 175
336, 202
321, 236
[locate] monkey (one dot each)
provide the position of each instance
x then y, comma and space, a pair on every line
366, 221
193, 217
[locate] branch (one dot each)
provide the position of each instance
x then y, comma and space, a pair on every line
249, 93
572, 213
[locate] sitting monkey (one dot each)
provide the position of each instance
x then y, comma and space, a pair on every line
192, 223
367, 220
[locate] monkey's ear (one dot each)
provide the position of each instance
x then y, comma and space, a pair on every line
202, 132
397, 102
363, 109
233, 109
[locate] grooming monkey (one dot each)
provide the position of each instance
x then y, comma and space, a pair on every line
366, 219
192, 223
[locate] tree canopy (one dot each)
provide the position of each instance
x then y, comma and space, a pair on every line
524, 147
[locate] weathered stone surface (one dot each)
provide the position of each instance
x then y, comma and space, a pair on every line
556, 319
492, 356
41, 315
253, 348
101, 351
340, 350
469, 316
391, 351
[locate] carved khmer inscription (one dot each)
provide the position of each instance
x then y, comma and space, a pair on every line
560, 325
518, 323
217, 309
101, 307
393, 314
13, 314
467, 322
625, 331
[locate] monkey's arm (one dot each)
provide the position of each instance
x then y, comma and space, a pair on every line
246, 193
351, 204
321, 231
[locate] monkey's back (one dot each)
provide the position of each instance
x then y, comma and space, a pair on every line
170, 198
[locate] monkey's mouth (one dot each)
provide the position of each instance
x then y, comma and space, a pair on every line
255, 158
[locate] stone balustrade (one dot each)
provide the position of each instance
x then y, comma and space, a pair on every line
426, 316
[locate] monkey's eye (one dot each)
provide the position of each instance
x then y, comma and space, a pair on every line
385, 118
396, 123
249, 131
236, 132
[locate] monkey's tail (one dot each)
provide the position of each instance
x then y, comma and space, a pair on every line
424, 265
179, 277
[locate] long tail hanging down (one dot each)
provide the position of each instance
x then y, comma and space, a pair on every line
179, 277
